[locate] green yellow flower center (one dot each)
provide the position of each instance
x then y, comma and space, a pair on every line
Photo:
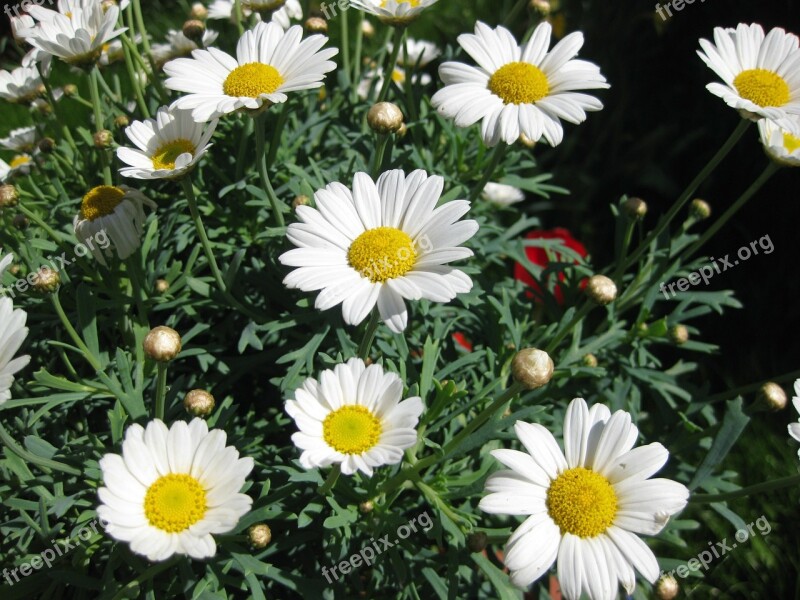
791, 142
19, 161
413, 3
101, 201
398, 76
382, 253
165, 156
351, 429
582, 502
175, 502
251, 80
762, 87
519, 83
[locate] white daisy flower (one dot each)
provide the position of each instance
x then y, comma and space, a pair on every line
115, 214
515, 89
22, 139
171, 489
179, 45
585, 504
398, 79
19, 165
420, 53
169, 146
394, 12
12, 333
380, 244
22, 85
794, 428
269, 63
502, 194
761, 74
354, 416
780, 143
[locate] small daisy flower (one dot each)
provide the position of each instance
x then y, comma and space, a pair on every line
22, 139
420, 53
169, 146
21, 86
115, 214
353, 415
761, 74
394, 12
20, 26
172, 489
518, 90
380, 244
269, 63
794, 428
586, 505
179, 45
12, 333
19, 165
373, 80
502, 194
780, 143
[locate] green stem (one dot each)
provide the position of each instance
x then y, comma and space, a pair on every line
98, 121
57, 111
188, 190
77, 340
283, 116
626, 242
140, 28
238, 17
133, 75
369, 334
579, 315
750, 388
767, 486
497, 156
161, 389
333, 476
357, 57
387, 73
345, 46
380, 150
243, 147
262, 170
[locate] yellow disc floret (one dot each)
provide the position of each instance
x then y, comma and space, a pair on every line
175, 502
791, 142
351, 429
519, 83
101, 201
582, 502
251, 80
164, 157
19, 161
413, 3
382, 253
762, 87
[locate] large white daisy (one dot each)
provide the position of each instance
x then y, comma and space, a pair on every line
22, 85
779, 142
354, 416
394, 12
761, 73
586, 505
380, 244
169, 145
171, 489
269, 63
518, 90
12, 333
794, 428
21, 139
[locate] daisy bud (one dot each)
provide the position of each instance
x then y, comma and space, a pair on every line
532, 367
401, 133
667, 588
601, 289
46, 145
14, 270
122, 121
194, 30
43, 108
366, 507
300, 201
679, 334
385, 117
47, 280
699, 209
162, 285
9, 196
590, 360
199, 403
635, 208
771, 396
477, 541
20, 221
199, 12
70, 90
260, 535
316, 25
541, 6
367, 29
162, 344
526, 141
103, 139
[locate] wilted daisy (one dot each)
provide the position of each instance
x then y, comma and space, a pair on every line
19, 165
354, 416
171, 489
502, 194
179, 45
12, 333
269, 63
373, 80
380, 245
515, 89
761, 73
585, 504
22, 139
169, 146
780, 143
22, 85
394, 12
114, 213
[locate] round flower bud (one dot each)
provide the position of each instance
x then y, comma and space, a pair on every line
9, 196
194, 30
316, 25
46, 281
366, 507
532, 367
477, 541
122, 121
699, 209
300, 200
590, 360
526, 141
384, 117
601, 289
667, 588
199, 403
162, 344
541, 6
70, 90
260, 535
198, 11
46, 145
103, 139
635, 208
20, 221
14, 269
162, 286
367, 29
679, 334
772, 397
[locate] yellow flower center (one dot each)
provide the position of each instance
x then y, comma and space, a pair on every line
382, 253
175, 502
251, 80
165, 156
351, 429
762, 87
19, 160
519, 83
791, 142
582, 502
101, 201
413, 3
398, 76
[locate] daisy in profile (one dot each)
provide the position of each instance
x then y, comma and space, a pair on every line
172, 489
380, 244
115, 214
780, 144
518, 90
761, 74
179, 45
394, 12
169, 146
22, 139
420, 53
354, 416
19, 165
585, 505
502, 194
269, 63
12, 333
21, 86
373, 80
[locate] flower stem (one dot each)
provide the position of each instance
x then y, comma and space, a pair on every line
387, 74
579, 315
161, 389
369, 334
56, 111
188, 190
262, 170
766, 486
98, 120
357, 57
333, 476
345, 45
497, 156
380, 150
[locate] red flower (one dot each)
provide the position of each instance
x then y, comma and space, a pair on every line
462, 341
538, 256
